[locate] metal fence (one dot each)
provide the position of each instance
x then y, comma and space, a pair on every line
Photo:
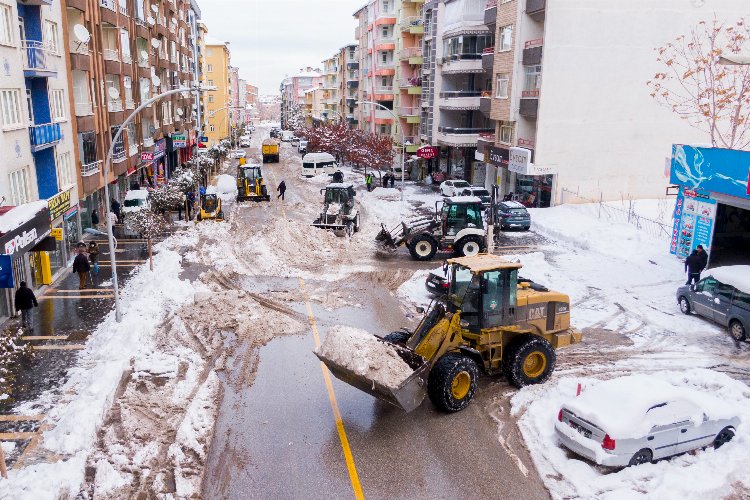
626, 213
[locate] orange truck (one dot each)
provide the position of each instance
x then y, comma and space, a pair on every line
270, 151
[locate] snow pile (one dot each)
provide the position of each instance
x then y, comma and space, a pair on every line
16, 217
365, 355
413, 290
703, 474
736, 276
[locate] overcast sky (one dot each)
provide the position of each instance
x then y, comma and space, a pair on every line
270, 39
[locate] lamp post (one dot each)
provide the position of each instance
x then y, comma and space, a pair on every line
735, 60
403, 139
107, 163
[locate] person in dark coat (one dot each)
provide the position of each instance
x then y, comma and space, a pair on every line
281, 189
190, 204
82, 267
704, 256
115, 207
25, 301
94, 219
94, 256
693, 267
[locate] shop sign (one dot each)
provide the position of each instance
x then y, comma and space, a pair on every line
498, 156
160, 148
179, 141
71, 212
147, 156
519, 160
6, 272
27, 235
693, 223
716, 170
57, 233
427, 152
59, 204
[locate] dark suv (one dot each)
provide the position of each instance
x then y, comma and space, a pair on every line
513, 214
722, 296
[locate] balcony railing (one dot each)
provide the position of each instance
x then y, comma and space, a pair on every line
129, 103
411, 82
408, 52
123, 7
490, 4
384, 65
118, 155
91, 168
143, 62
465, 130
132, 149
409, 111
36, 55
44, 135
411, 22
76, 47
114, 105
382, 40
379, 89
84, 109
109, 4
111, 55
453, 94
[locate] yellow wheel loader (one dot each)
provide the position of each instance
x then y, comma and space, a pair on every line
250, 184
210, 208
490, 321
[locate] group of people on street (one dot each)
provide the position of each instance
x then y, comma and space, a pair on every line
389, 178
86, 261
695, 263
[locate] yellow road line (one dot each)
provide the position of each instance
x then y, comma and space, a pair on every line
48, 337
68, 347
20, 418
348, 457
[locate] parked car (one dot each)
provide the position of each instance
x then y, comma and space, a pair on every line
135, 200
302, 147
239, 153
512, 214
437, 283
275, 132
638, 419
287, 135
722, 296
452, 188
480, 193
295, 141
244, 143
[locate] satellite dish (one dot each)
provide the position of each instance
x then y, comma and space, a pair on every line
156, 81
113, 93
180, 112
127, 84
155, 8
81, 33
151, 21
155, 43
144, 55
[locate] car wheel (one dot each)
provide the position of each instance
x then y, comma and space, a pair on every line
723, 437
526, 228
452, 382
423, 248
684, 305
469, 246
643, 456
737, 331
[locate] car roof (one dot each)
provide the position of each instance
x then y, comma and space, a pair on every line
136, 194
736, 276
318, 156
512, 204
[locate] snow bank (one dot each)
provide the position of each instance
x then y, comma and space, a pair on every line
704, 474
736, 276
365, 355
413, 290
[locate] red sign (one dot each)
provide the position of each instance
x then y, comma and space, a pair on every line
427, 152
147, 156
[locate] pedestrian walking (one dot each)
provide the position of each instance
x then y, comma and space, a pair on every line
94, 256
112, 219
81, 266
281, 189
94, 219
25, 301
190, 204
703, 255
368, 182
115, 207
693, 267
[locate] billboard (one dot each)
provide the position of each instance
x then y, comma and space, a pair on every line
707, 170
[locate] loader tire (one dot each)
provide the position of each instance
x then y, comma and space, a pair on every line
423, 248
469, 246
452, 382
397, 337
528, 359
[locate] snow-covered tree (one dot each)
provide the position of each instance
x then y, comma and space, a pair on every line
149, 223
166, 198
710, 96
296, 117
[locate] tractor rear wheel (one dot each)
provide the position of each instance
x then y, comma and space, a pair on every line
452, 382
528, 359
469, 246
423, 248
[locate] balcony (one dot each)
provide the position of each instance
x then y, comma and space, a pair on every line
411, 114
119, 155
460, 100
485, 104
133, 150
36, 62
412, 54
129, 103
529, 105
44, 136
535, 9
84, 108
148, 142
383, 93
92, 168
76, 47
111, 55
490, 12
461, 136
352, 65
413, 25
488, 59
532, 52
385, 18
462, 63
413, 86
109, 4
114, 105
385, 43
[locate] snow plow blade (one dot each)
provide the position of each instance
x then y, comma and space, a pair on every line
408, 396
259, 197
385, 238
330, 227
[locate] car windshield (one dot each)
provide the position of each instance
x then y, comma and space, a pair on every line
337, 196
251, 173
461, 184
134, 202
481, 192
517, 211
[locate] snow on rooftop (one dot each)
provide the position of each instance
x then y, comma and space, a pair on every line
736, 276
16, 217
214, 41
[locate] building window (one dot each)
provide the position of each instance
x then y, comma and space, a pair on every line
210, 98
383, 129
51, 37
57, 105
502, 86
10, 106
7, 28
210, 83
210, 68
211, 128
30, 105
506, 132
506, 38
533, 80
64, 169
19, 186
87, 147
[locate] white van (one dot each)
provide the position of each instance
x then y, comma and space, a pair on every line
287, 135
317, 163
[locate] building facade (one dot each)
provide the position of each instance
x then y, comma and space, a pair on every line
349, 83
292, 91
219, 102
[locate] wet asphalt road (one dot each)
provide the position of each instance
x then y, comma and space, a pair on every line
278, 437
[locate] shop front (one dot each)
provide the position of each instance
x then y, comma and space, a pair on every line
532, 185
154, 171
713, 203
59, 206
456, 162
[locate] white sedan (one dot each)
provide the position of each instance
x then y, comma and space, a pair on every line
636, 419
453, 188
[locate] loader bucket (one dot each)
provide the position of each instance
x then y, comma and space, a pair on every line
385, 238
408, 396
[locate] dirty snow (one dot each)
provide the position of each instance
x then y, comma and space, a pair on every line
365, 355
414, 292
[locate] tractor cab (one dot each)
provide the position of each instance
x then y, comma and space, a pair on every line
250, 184
341, 195
210, 207
460, 212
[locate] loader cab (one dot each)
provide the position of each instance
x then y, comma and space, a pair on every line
460, 212
486, 296
342, 194
249, 172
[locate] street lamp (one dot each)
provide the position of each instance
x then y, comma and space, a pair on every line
403, 139
735, 60
108, 162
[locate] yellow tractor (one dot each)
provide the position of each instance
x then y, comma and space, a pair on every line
250, 184
210, 208
491, 321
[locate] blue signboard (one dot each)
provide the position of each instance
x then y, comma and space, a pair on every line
160, 148
715, 170
693, 223
6, 272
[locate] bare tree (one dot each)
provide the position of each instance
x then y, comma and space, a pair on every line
710, 96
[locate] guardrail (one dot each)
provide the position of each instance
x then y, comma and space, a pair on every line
46, 133
36, 55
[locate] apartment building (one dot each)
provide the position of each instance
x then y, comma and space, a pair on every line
234, 96
292, 90
38, 168
332, 88
219, 102
602, 137
349, 83
315, 105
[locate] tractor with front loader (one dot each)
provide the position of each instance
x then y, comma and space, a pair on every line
489, 322
340, 213
456, 226
250, 184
